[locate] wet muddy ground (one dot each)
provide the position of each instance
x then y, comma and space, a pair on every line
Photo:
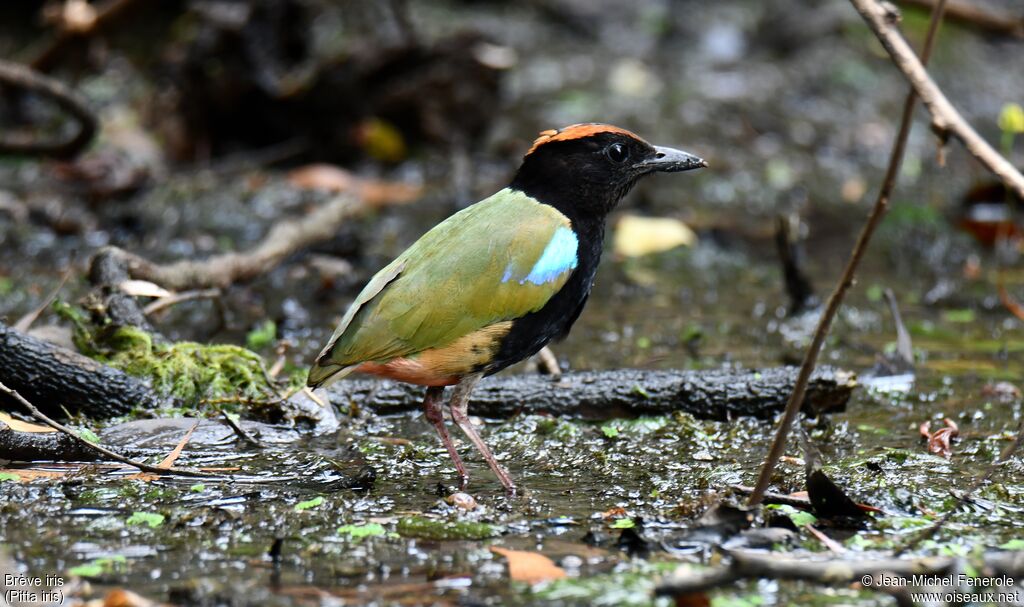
787, 122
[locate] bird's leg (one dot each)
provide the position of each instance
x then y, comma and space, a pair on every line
459, 405
432, 409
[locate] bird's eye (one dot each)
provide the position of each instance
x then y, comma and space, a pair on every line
617, 152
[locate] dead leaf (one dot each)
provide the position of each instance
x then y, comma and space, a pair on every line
636, 236
322, 177
529, 567
939, 441
374, 192
119, 597
616, 512
26, 475
19, 426
173, 455
167, 461
143, 288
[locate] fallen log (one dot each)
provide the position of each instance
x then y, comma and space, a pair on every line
60, 380
33, 446
713, 394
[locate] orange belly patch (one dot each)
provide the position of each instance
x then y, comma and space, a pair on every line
446, 365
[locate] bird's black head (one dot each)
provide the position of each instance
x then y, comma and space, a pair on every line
584, 170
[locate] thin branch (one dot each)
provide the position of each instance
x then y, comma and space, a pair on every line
25, 78
945, 119
26, 321
831, 572
968, 14
283, 240
166, 302
846, 280
117, 457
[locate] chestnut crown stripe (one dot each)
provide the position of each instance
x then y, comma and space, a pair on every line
577, 131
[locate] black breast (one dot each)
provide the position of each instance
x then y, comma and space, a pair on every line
532, 332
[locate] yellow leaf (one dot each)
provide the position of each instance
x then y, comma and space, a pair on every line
1011, 118
20, 426
636, 236
529, 567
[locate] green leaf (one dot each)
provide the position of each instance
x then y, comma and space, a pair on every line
98, 567
89, 435
875, 292
309, 504
262, 336
197, 488
623, 523
799, 517
638, 389
363, 530
1014, 544
152, 519
959, 316
7, 476
609, 431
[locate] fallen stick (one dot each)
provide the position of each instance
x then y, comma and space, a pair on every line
618, 393
832, 572
60, 379
26, 79
835, 300
283, 240
107, 453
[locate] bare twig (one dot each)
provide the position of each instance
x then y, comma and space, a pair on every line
968, 14
117, 457
945, 119
283, 240
166, 302
25, 78
26, 321
241, 432
835, 300
749, 565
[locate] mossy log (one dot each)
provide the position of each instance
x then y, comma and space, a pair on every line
713, 394
56, 380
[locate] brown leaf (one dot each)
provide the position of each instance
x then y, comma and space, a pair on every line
26, 475
19, 426
119, 597
616, 512
173, 455
939, 441
374, 192
693, 599
529, 567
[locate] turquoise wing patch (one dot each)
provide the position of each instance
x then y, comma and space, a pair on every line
559, 257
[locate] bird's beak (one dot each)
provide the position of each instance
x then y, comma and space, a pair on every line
669, 160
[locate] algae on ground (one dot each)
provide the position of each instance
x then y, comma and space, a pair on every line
430, 529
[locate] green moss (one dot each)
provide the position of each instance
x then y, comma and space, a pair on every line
187, 371
430, 529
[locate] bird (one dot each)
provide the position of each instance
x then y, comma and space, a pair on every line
495, 282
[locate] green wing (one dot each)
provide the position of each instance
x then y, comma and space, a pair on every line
480, 266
